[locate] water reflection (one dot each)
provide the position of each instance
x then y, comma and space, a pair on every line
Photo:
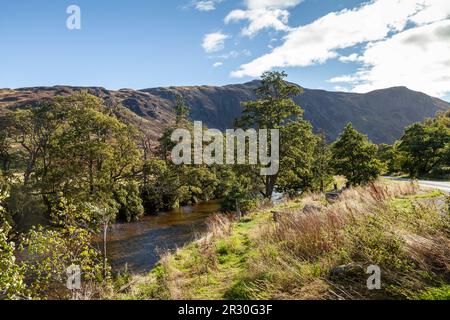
138, 244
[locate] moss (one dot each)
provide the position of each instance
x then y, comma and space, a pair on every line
429, 195
439, 293
239, 291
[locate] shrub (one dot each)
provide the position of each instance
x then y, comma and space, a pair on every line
49, 253
12, 285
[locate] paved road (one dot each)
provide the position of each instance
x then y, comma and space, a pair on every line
441, 185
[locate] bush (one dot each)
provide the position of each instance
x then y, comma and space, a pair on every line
239, 196
49, 253
11, 276
129, 202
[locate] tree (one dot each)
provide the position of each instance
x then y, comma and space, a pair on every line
5, 148
239, 199
296, 158
274, 109
424, 145
73, 147
103, 217
33, 129
321, 169
128, 199
161, 190
50, 252
182, 122
12, 284
169, 185
68, 240
274, 106
181, 109
391, 157
354, 157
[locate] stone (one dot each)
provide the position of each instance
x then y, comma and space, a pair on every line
332, 196
276, 216
309, 208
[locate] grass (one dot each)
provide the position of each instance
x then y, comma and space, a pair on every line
321, 253
440, 293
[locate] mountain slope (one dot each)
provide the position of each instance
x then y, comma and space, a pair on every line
381, 114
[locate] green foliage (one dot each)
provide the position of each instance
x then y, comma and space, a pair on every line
390, 156
24, 208
425, 147
274, 106
275, 109
181, 109
11, 277
73, 148
239, 197
322, 170
197, 183
160, 190
297, 148
354, 157
129, 201
72, 167
48, 253
12, 284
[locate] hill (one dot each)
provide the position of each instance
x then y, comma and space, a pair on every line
381, 114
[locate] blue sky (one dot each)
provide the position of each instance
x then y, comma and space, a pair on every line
140, 43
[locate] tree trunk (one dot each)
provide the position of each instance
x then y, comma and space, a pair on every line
91, 177
238, 212
270, 186
48, 204
105, 232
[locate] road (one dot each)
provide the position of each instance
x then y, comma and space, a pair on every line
440, 185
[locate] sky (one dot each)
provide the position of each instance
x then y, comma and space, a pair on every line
345, 45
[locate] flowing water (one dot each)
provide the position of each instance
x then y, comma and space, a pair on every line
138, 245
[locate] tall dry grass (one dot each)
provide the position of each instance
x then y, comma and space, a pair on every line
330, 246
319, 250
309, 234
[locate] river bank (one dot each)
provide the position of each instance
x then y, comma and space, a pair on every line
137, 246
315, 250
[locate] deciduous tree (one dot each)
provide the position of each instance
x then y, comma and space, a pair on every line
354, 157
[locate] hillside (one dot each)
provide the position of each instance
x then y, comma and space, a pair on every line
382, 114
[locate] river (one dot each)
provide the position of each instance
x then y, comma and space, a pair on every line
139, 244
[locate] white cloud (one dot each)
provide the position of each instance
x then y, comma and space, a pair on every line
204, 5
351, 58
344, 79
341, 89
234, 54
214, 42
380, 25
317, 42
263, 14
418, 58
218, 64
271, 4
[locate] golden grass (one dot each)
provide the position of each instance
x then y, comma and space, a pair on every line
315, 250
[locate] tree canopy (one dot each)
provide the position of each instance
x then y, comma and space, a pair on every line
355, 157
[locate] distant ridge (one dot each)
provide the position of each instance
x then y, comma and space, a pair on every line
381, 114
